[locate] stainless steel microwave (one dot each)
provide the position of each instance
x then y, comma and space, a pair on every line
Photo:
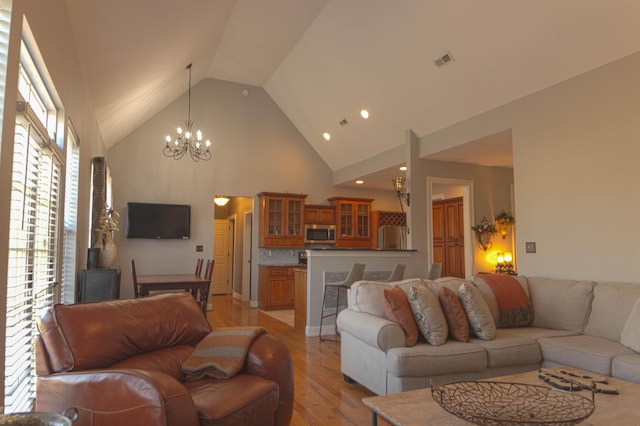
319, 234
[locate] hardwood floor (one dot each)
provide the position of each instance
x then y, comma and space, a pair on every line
321, 395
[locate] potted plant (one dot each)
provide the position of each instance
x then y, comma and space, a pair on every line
108, 223
504, 222
484, 230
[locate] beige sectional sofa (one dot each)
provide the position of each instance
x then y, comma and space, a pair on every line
575, 323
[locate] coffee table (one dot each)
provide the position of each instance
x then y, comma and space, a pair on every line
417, 407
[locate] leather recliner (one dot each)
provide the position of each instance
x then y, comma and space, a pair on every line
119, 362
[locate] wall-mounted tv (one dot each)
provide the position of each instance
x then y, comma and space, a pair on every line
158, 221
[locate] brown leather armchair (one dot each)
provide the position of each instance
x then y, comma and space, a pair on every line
119, 362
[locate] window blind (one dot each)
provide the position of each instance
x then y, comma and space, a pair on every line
33, 241
72, 168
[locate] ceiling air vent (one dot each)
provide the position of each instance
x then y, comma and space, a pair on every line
444, 59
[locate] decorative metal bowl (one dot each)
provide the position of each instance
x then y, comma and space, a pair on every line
500, 403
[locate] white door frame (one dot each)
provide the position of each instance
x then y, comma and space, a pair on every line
232, 247
467, 207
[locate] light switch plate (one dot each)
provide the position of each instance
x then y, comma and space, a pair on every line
530, 247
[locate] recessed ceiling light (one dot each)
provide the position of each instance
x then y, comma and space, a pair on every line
326, 136
364, 113
403, 168
359, 182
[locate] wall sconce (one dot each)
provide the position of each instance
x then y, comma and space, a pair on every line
220, 200
504, 222
504, 264
484, 231
401, 190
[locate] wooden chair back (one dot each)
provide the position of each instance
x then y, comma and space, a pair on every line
208, 272
135, 278
199, 263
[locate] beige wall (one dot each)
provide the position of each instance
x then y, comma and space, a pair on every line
576, 152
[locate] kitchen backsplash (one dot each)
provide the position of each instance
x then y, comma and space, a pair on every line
272, 256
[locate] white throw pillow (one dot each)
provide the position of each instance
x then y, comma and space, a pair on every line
428, 314
478, 312
631, 332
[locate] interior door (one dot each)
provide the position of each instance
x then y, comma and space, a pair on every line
220, 256
448, 236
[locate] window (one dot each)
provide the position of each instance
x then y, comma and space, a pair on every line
34, 262
70, 216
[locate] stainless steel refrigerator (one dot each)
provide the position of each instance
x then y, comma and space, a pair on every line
392, 237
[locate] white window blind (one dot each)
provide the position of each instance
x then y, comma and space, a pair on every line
33, 240
72, 168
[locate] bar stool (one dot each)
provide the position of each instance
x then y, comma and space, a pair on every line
435, 271
355, 274
398, 272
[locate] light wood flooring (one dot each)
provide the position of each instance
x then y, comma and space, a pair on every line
321, 396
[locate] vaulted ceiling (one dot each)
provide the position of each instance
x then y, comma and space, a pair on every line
324, 60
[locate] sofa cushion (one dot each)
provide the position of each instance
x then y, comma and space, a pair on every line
536, 333
612, 303
161, 321
452, 283
480, 318
457, 320
366, 296
514, 306
397, 309
626, 367
168, 360
241, 400
584, 352
508, 350
630, 336
559, 303
424, 360
428, 314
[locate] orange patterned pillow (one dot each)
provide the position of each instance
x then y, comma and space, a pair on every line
454, 313
397, 309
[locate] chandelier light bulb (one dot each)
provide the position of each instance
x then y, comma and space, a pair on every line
208, 143
168, 139
179, 130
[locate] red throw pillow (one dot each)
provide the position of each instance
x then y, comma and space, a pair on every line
454, 313
397, 309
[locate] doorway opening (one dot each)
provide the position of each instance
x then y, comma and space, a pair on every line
232, 248
440, 188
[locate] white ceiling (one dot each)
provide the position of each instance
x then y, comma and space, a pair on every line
323, 60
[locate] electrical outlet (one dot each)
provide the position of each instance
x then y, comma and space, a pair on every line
530, 247
199, 248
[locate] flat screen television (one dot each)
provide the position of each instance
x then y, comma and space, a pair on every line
158, 221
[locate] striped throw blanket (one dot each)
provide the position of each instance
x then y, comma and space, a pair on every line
221, 354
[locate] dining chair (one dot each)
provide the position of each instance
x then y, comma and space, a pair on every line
135, 278
435, 271
199, 263
356, 273
397, 273
208, 274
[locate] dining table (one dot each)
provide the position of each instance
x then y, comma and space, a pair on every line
197, 285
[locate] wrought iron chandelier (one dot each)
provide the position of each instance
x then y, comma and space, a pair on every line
185, 142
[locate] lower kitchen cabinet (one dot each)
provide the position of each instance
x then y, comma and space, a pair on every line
276, 287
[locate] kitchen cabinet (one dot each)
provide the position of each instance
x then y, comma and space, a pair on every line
281, 220
300, 298
353, 222
317, 214
276, 285
448, 236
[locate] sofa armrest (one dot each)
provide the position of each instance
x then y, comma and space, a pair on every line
127, 396
375, 331
268, 357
